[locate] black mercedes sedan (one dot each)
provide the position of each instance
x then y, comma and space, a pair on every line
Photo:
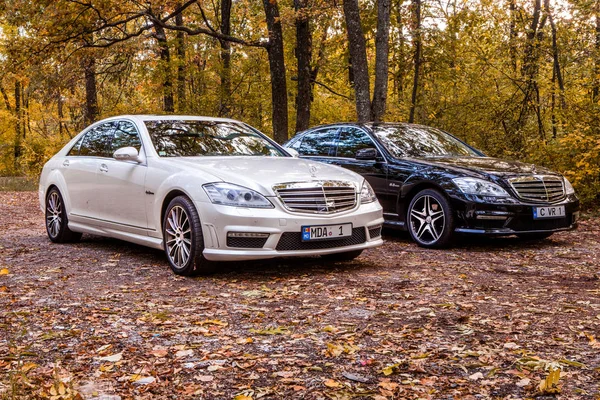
435, 185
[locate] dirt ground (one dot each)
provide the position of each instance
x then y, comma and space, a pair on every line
487, 319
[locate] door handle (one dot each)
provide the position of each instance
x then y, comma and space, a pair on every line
103, 168
66, 163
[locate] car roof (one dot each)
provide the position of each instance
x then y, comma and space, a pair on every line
152, 117
369, 125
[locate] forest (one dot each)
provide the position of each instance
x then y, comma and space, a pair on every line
518, 79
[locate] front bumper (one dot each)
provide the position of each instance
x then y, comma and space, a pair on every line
509, 219
281, 230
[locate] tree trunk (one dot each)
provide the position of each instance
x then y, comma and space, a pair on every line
303, 57
596, 84
225, 108
61, 116
18, 125
165, 60
417, 58
512, 36
181, 65
279, 102
91, 94
381, 59
400, 73
358, 60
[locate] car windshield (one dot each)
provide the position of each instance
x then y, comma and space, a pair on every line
192, 138
420, 141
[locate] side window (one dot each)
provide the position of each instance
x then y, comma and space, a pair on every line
97, 140
319, 143
351, 140
126, 135
75, 149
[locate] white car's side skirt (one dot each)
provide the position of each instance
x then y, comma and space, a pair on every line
143, 240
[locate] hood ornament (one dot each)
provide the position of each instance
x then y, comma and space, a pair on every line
312, 169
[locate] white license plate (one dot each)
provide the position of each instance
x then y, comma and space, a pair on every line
322, 232
549, 212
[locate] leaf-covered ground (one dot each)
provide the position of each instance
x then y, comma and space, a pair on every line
486, 319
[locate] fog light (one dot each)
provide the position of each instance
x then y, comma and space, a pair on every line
247, 234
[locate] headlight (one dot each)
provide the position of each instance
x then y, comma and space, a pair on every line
568, 187
228, 194
479, 187
367, 195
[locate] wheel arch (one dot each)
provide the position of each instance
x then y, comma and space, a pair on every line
414, 190
167, 199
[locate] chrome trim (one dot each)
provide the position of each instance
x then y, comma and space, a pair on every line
318, 197
544, 188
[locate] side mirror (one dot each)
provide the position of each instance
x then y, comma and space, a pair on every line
368, 153
292, 152
127, 154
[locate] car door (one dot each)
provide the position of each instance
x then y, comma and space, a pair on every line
80, 167
352, 139
121, 184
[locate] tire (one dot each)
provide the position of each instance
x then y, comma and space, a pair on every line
345, 256
534, 236
57, 223
183, 240
430, 219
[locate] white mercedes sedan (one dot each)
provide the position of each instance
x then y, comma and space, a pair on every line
204, 190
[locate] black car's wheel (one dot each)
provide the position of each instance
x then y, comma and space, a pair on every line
183, 241
57, 223
346, 256
430, 219
534, 236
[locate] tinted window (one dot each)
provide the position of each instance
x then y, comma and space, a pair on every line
351, 140
319, 143
97, 140
125, 136
420, 141
75, 149
180, 138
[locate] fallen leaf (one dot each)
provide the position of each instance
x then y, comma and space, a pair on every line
184, 353
160, 353
476, 376
524, 382
112, 358
330, 383
355, 377
4, 271
204, 378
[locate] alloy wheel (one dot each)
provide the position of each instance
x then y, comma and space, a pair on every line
53, 214
427, 219
178, 237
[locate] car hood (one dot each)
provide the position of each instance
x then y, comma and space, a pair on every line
487, 166
262, 173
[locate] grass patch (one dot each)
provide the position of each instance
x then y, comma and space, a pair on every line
18, 184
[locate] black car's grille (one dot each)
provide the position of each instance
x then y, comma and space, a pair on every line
293, 241
321, 197
246, 242
375, 232
544, 188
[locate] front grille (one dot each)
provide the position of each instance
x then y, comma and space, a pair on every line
293, 241
539, 188
375, 232
246, 242
320, 197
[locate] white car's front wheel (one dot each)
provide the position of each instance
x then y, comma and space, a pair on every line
183, 241
56, 219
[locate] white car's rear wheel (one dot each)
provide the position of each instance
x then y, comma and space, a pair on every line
57, 223
183, 241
